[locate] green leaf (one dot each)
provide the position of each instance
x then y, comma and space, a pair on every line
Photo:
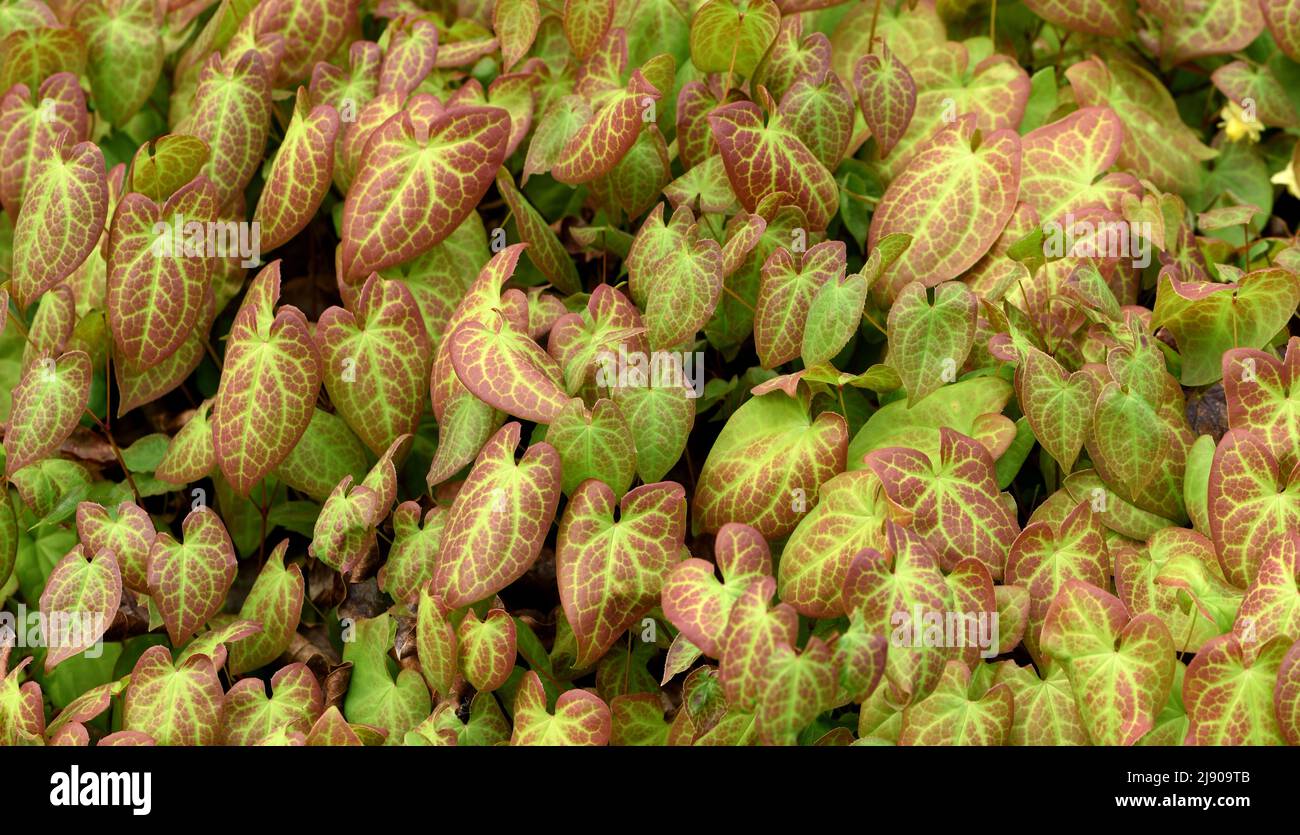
787, 286
799, 686
1230, 695
1120, 669
269, 382
1254, 506
732, 35
580, 718
296, 702
275, 602
374, 697
188, 580
767, 464
951, 178
487, 649
693, 599
1208, 319
850, 515
1159, 146
124, 54
595, 444
64, 210
610, 572
499, 520
376, 360
47, 404
929, 342
174, 704
958, 484
78, 604
962, 710
1057, 403
427, 156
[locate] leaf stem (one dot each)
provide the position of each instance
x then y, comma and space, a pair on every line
737, 297
117, 453
871, 37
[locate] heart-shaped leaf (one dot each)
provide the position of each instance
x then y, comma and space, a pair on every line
754, 632
1207, 319
301, 173
47, 404
295, 704
515, 22
601, 143
499, 519
374, 697
158, 275
501, 364
976, 186
1063, 163
834, 316
63, 216
585, 24
610, 572
270, 378
1271, 608
1045, 557
487, 649
929, 341
731, 36
78, 604
741, 480
1253, 505
376, 362
580, 717
1120, 669
887, 96
442, 178
1057, 403
30, 124
190, 455
1045, 713
962, 710
232, 114
1127, 439
895, 591
1257, 390
275, 601
799, 686
188, 580
414, 554
174, 704
127, 533
850, 515
693, 599
124, 54
344, 533
595, 444
786, 289
958, 484
1158, 145
765, 160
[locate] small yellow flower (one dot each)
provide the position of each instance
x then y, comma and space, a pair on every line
1239, 125
1286, 177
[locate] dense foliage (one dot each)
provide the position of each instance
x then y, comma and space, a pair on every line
650, 371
